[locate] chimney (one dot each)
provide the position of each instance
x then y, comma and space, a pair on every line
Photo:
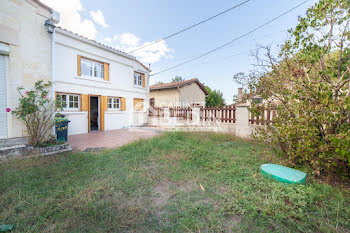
240, 95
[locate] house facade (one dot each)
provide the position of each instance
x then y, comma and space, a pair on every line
184, 93
25, 56
100, 88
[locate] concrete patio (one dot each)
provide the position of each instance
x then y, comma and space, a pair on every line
109, 139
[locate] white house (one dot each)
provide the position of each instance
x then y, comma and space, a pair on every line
25, 57
101, 88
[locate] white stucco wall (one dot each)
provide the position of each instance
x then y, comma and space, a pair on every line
120, 84
78, 122
29, 60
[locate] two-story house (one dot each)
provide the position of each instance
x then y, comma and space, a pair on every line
101, 88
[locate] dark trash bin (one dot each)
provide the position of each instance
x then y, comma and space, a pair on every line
61, 126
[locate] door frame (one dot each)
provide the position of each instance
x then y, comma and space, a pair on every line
99, 112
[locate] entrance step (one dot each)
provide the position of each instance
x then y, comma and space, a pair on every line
8, 142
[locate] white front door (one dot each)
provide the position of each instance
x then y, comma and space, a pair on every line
3, 98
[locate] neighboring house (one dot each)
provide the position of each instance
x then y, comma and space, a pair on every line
25, 56
102, 88
184, 93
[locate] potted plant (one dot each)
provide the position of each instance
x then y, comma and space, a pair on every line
61, 127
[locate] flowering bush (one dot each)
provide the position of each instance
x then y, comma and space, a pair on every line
36, 111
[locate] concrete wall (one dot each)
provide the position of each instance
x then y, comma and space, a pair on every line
29, 60
120, 83
166, 97
192, 94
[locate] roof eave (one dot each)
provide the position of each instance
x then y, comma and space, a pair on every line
93, 43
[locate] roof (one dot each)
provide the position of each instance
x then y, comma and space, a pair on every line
98, 44
43, 5
179, 85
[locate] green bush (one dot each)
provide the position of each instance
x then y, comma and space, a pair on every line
310, 84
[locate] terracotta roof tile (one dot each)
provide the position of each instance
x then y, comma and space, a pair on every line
179, 84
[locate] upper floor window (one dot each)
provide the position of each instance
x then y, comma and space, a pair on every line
91, 68
69, 101
139, 79
114, 103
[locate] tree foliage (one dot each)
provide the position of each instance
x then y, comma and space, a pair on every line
215, 98
310, 82
177, 79
36, 111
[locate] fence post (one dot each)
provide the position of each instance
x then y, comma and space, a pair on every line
243, 128
196, 118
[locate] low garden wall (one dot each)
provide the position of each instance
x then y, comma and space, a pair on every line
24, 151
241, 126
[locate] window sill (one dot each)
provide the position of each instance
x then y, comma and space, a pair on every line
138, 87
71, 112
92, 79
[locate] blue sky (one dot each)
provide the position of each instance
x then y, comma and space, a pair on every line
139, 21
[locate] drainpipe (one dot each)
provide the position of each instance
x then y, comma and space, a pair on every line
50, 27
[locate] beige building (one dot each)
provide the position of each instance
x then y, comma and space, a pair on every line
25, 55
184, 93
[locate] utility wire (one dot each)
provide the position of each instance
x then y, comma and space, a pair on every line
230, 42
190, 27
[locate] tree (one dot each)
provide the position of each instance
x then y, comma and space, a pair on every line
310, 81
214, 98
177, 79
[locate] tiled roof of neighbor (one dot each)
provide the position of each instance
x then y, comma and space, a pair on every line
179, 84
109, 48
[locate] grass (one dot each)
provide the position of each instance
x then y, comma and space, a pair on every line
178, 182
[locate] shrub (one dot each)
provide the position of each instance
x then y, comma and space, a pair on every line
310, 83
36, 111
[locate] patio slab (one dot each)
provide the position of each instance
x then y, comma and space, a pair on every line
110, 138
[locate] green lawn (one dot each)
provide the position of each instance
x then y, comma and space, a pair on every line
155, 186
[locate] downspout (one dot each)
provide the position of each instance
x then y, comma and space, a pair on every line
53, 76
50, 27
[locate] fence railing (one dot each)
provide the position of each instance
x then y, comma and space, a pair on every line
263, 116
226, 114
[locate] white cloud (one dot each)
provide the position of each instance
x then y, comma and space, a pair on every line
98, 17
70, 17
151, 54
108, 40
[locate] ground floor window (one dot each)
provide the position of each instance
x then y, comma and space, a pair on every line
138, 104
69, 101
113, 103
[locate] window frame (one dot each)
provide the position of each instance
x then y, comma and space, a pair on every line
113, 102
67, 102
138, 82
93, 69
143, 105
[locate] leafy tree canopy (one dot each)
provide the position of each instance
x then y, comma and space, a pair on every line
177, 79
214, 98
310, 83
